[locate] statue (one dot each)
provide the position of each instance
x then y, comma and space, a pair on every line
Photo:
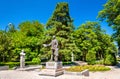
54, 47
22, 59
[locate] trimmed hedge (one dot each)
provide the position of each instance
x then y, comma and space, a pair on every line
10, 64
13, 64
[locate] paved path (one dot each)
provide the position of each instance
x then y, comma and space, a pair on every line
113, 74
13, 74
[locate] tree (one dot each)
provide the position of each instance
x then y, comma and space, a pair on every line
91, 40
86, 38
61, 25
60, 15
111, 13
28, 37
5, 46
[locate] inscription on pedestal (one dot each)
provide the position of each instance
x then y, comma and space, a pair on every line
53, 65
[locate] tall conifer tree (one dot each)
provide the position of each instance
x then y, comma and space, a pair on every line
61, 25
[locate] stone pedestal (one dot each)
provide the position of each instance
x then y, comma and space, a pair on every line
53, 65
52, 69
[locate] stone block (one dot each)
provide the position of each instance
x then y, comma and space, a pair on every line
52, 69
85, 72
4, 68
51, 72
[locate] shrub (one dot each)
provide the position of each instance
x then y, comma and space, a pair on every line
36, 60
100, 62
13, 64
29, 63
10, 64
110, 59
91, 58
118, 59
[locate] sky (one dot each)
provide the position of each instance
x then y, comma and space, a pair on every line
17, 11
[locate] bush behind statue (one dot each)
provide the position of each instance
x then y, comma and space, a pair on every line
36, 60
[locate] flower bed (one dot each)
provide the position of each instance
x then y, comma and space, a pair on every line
89, 67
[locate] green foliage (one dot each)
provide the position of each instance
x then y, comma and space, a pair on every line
67, 63
111, 13
91, 57
110, 60
60, 16
89, 67
10, 64
15, 64
88, 43
91, 40
61, 25
5, 46
29, 37
100, 62
36, 60
118, 59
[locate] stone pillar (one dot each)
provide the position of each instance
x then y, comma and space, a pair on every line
22, 59
72, 57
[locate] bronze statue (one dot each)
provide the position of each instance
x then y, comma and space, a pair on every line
54, 47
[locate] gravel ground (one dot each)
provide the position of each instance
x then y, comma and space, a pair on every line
13, 74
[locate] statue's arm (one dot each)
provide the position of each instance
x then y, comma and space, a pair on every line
45, 45
50, 44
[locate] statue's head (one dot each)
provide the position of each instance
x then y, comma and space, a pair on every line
23, 51
54, 37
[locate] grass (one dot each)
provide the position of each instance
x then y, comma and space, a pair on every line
90, 67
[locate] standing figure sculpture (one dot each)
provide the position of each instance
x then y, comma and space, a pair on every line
54, 48
22, 59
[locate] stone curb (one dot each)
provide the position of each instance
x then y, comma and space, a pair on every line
85, 73
4, 68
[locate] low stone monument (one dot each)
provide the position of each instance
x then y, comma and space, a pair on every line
22, 59
53, 67
72, 57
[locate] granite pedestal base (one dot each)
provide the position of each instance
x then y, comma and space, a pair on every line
52, 69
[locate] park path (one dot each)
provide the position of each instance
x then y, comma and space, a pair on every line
14, 74
113, 74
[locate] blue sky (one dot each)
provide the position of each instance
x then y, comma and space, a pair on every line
17, 11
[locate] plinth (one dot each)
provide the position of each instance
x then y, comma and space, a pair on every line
52, 69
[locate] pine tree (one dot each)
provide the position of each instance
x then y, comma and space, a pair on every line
61, 25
